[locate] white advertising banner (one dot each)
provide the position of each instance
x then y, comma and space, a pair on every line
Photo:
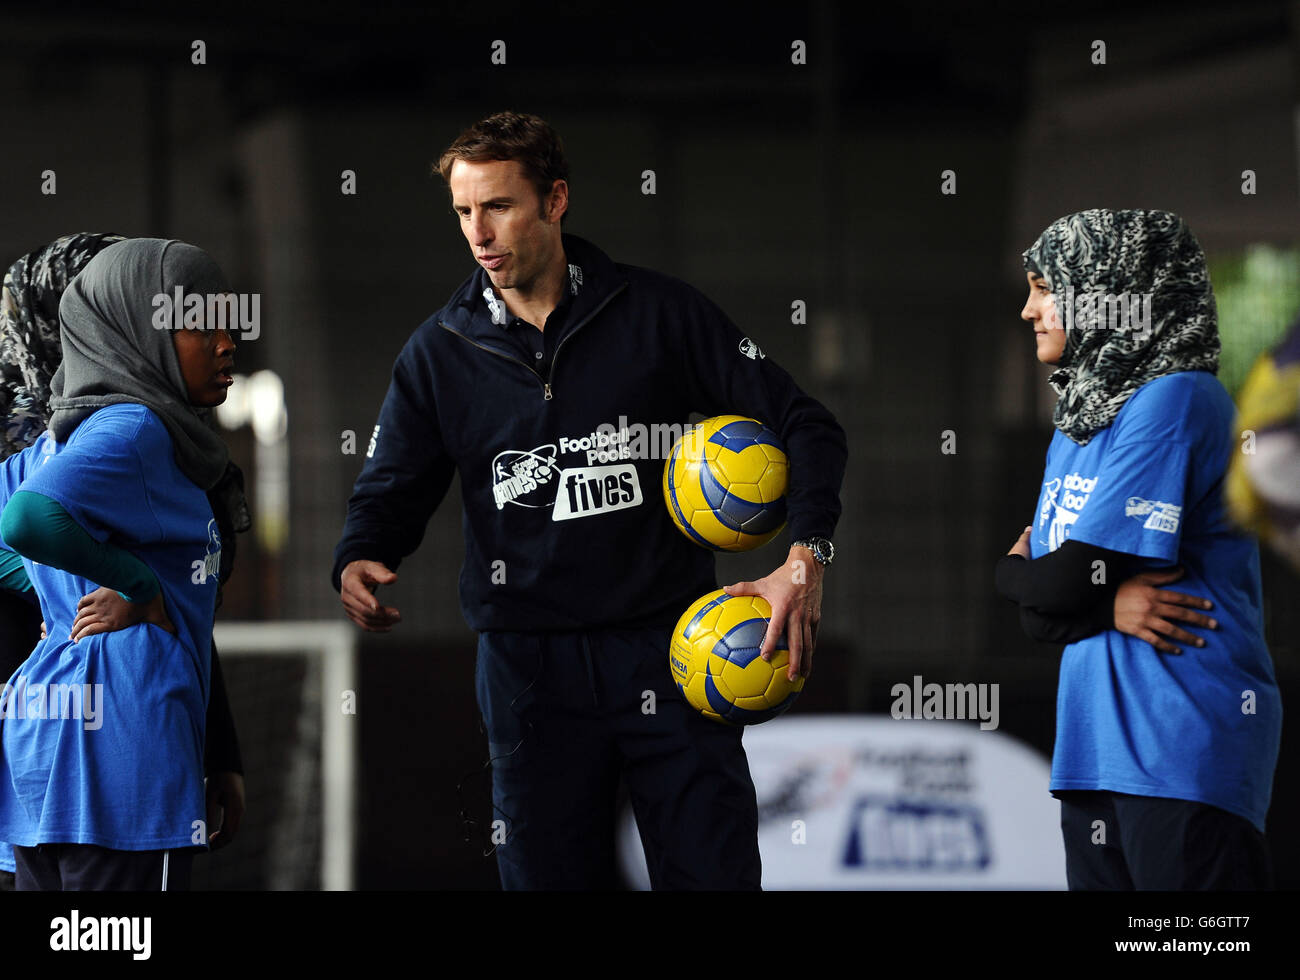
869, 801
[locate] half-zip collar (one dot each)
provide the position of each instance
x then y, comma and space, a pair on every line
477, 313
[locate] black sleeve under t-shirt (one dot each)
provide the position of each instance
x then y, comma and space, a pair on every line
1067, 595
1067, 629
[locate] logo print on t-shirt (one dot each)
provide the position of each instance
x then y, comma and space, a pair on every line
1159, 515
1062, 502
210, 565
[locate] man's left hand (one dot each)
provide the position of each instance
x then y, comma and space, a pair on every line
794, 591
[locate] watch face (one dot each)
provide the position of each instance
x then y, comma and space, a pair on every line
821, 548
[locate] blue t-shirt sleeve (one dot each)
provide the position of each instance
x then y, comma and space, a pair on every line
1169, 447
1137, 506
99, 479
13, 470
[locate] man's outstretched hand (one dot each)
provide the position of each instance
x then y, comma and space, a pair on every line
357, 584
794, 591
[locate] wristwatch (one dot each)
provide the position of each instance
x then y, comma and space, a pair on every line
821, 548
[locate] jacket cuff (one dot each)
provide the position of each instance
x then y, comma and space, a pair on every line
815, 526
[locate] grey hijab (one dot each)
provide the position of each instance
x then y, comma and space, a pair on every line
113, 353
1147, 253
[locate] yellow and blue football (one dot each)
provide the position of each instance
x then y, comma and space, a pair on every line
725, 483
715, 663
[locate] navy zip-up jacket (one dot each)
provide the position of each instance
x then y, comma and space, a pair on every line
562, 533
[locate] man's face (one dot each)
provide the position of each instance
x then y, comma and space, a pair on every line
513, 235
1040, 311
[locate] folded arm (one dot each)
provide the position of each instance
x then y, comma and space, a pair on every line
1080, 590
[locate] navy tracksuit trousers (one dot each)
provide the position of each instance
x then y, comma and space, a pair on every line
567, 714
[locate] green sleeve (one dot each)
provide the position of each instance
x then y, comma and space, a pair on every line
13, 575
40, 529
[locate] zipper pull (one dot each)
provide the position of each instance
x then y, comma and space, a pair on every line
547, 388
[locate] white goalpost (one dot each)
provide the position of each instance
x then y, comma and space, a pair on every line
330, 649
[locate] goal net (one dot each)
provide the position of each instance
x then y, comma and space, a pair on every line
291, 685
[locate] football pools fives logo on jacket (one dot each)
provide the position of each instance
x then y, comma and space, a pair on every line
533, 477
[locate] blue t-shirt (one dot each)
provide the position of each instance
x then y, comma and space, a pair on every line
103, 739
1204, 725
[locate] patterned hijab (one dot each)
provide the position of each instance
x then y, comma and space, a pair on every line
1136, 260
30, 351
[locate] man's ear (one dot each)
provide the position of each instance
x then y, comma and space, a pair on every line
557, 201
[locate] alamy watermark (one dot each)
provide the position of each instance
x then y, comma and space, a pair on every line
951, 702
233, 312
58, 702
1091, 310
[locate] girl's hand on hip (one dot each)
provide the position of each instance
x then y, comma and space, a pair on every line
105, 611
1145, 610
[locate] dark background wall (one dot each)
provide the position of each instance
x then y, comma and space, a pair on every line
775, 182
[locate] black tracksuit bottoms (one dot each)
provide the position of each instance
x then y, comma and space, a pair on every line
567, 715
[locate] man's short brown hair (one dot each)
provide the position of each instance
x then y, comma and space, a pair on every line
512, 136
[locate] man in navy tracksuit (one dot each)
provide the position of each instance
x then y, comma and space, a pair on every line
548, 381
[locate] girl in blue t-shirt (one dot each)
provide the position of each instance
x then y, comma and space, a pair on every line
1166, 740
101, 774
